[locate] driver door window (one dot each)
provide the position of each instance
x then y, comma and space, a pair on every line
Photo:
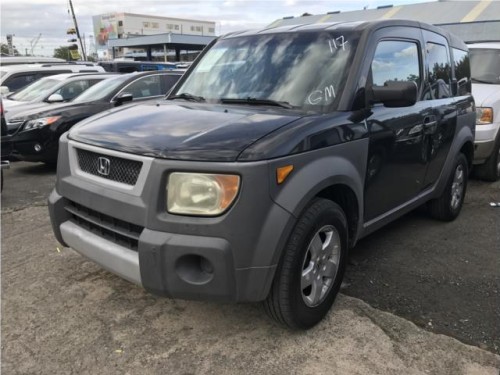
145, 87
395, 61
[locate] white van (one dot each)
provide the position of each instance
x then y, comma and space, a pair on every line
485, 72
15, 77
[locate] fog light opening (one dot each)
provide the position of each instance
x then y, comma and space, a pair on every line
194, 269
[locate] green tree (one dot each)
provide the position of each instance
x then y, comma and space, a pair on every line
4, 47
62, 53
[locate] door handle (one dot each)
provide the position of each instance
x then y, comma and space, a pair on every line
430, 124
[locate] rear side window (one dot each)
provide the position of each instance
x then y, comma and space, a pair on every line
439, 72
462, 71
396, 61
18, 81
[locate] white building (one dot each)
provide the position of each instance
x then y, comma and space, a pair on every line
125, 25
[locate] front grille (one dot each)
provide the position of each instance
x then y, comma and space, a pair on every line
118, 231
120, 170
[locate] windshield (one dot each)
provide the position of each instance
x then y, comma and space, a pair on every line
485, 65
101, 89
37, 89
305, 70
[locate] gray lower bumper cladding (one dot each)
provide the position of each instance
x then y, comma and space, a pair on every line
113, 257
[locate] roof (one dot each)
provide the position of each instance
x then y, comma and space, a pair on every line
324, 26
359, 26
67, 76
45, 66
10, 60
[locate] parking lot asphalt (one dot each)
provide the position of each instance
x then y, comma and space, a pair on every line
61, 313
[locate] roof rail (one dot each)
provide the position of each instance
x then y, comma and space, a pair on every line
69, 63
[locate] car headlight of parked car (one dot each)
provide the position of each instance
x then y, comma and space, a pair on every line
201, 194
40, 122
484, 115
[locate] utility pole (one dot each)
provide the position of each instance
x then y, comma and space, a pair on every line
34, 42
77, 31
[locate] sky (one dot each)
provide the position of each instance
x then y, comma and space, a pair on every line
26, 19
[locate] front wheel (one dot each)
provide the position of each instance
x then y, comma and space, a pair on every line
448, 205
311, 269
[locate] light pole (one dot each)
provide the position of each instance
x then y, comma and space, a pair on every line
77, 31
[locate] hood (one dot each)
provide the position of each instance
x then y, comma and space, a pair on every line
486, 95
20, 107
34, 111
75, 111
184, 132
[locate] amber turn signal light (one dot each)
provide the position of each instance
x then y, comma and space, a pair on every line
283, 172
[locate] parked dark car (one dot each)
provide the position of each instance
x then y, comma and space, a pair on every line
6, 145
275, 153
36, 133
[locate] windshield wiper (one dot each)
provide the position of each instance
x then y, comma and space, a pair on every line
187, 96
256, 101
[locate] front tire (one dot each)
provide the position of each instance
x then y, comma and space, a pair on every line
311, 269
448, 205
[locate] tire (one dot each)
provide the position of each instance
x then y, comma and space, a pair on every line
311, 268
490, 170
448, 205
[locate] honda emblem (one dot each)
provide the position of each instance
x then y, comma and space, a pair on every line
104, 166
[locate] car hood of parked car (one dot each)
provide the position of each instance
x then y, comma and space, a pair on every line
22, 107
181, 131
63, 109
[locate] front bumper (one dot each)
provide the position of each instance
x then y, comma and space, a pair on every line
228, 258
484, 142
36, 145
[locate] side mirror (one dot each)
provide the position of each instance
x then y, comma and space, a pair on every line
55, 98
123, 98
395, 93
4, 90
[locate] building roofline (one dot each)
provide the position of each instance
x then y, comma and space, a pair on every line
153, 16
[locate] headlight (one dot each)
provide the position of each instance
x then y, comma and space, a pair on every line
200, 193
40, 122
484, 115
